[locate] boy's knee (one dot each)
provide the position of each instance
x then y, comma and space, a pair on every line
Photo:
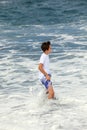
51, 93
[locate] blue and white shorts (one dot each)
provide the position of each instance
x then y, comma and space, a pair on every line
46, 82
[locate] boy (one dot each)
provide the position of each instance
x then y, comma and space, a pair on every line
44, 71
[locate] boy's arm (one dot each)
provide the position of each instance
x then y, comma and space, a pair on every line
40, 67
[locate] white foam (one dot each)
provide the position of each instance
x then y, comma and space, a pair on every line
23, 102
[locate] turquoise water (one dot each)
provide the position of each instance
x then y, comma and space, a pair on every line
24, 25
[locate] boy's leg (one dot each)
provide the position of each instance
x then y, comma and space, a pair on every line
48, 85
50, 92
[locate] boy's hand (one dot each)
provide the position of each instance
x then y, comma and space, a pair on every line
47, 77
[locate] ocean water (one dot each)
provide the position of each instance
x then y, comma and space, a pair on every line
24, 25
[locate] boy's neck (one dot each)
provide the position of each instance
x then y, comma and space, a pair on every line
46, 52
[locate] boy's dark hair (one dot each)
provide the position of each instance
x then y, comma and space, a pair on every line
45, 46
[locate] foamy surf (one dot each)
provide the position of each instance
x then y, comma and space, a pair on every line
23, 102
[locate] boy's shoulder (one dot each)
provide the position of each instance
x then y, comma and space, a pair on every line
43, 55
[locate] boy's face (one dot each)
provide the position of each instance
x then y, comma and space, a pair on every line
49, 50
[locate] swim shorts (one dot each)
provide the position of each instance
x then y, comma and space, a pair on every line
46, 82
